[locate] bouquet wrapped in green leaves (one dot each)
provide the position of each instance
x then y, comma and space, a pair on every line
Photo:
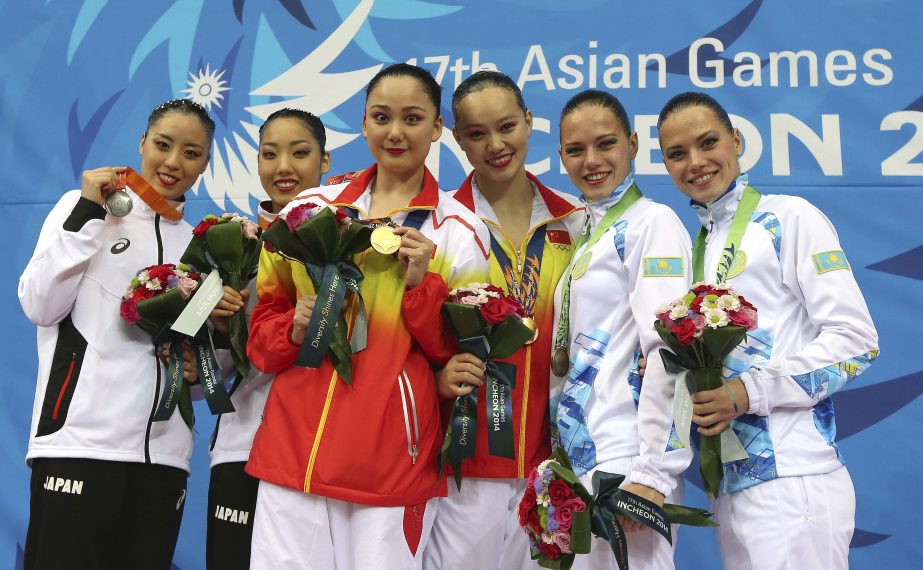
229, 244
489, 324
561, 516
324, 239
702, 328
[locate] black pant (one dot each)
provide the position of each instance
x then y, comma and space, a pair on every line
231, 505
87, 513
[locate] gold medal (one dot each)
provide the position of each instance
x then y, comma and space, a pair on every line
384, 241
532, 326
560, 361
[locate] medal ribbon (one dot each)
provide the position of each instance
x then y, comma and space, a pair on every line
745, 209
616, 211
523, 288
150, 196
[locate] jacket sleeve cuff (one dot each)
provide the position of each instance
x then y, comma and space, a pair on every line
758, 401
84, 211
643, 475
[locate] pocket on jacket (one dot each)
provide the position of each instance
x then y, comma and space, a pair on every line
62, 380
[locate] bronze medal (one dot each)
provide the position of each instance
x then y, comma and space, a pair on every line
384, 241
532, 326
560, 361
118, 203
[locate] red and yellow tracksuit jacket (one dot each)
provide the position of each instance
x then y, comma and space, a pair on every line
373, 442
561, 216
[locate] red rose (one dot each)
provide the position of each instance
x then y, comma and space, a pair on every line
745, 303
494, 310
559, 491
550, 551
577, 504
514, 308
703, 289
199, 230
696, 304
533, 522
494, 289
563, 514
340, 214
526, 504
684, 329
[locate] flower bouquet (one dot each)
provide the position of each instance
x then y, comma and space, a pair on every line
155, 298
488, 324
702, 328
560, 516
324, 239
229, 244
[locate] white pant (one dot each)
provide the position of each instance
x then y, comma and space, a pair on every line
789, 523
295, 530
647, 550
478, 528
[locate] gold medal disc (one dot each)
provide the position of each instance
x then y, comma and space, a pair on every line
560, 361
531, 324
384, 241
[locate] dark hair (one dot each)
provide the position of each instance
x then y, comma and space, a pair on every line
187, 107
689, 99
430, 86
485, 79
597, 98
310, 120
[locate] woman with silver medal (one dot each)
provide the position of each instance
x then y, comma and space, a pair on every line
632, 257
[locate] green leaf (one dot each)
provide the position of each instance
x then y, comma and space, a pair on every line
720, 342
195, 254
356, 239
238, 333
285, 242
508, 337
580, 536
466, 320
224, 243
692, 516
184, 403
320, 235
163, 308
340, 353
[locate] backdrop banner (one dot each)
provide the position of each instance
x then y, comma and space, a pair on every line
827, 96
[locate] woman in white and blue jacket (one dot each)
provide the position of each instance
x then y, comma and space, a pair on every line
791, 503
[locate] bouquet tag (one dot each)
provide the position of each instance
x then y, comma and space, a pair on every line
682, 407
200, 306
731, 448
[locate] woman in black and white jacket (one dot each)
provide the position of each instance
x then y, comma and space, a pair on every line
108, 483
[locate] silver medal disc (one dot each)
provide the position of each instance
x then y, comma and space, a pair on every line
118, 203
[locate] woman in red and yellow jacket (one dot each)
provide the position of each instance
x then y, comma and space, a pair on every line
347, 470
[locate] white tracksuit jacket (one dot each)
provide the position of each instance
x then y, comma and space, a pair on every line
98, 378
604, 412
233, 436
815, 334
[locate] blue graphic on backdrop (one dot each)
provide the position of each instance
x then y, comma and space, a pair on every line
820, 96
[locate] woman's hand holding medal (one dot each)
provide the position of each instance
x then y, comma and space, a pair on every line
415, 252
98, 183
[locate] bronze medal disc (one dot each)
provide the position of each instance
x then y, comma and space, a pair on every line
384, 241
560, 361
118, 203
532, 326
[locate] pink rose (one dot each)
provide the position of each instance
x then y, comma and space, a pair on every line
745, 317
562, 541
470, 300
250, 229
577, 504
564, 514
298, 215
129, 311
186, 286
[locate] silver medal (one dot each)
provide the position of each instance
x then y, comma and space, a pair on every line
118, 203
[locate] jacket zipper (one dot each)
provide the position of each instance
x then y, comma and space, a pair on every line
524, 414
150, 419
413, 438
67, 380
